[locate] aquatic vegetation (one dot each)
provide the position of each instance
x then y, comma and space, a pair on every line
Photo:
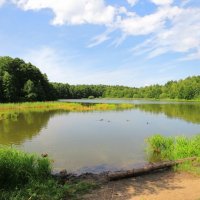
11, 110
159, 148
172, 148
63, 106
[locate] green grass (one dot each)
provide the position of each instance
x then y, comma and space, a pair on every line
26, 176
161, 148
61, 105
47, 189
19, 168
76, 189
11, 110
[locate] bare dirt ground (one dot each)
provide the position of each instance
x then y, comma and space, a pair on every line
158, 186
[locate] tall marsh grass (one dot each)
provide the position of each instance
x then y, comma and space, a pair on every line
19, 168
62, 105
172, 148
11, 110
162, 148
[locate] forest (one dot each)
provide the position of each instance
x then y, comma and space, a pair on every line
22, 82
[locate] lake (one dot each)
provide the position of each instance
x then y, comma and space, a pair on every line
99, 140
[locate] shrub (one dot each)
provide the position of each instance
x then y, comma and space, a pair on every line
91, 97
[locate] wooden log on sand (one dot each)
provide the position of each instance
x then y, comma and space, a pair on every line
146, 169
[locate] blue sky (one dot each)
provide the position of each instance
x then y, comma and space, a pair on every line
115, 42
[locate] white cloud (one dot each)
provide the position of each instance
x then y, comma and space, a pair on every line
100, 38
132, 2
137, 25
162, 2
192, 56
182, 36
73, 12
2, 2
169, 28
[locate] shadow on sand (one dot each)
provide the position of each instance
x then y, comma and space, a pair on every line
135, 188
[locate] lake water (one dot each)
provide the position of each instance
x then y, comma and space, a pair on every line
100, 140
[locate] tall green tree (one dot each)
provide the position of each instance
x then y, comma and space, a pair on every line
30, 91
15, 85
9, 89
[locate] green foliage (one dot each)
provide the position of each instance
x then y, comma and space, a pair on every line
191, 167
19, 168
47, 189
8, 87
169, 148
187, 89
160, 148
30, 91
55, 105
20, 81
27, 176
78, 188
91, 97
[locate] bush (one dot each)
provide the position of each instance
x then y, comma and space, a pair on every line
91, 97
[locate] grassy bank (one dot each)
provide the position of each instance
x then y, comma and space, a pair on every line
162, 148
27, 176
63, 105
10, 110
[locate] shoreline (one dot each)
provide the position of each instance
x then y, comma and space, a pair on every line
149, 99
156, 186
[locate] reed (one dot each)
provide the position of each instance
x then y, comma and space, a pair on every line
161, 148
11, 110
63, 106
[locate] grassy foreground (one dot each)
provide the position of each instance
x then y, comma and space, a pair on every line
27, 176
162, 148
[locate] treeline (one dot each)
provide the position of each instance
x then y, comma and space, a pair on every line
20, 81
188, 89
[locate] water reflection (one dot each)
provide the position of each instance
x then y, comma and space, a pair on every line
17, 127
185, 111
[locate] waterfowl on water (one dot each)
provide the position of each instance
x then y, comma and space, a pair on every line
44, 155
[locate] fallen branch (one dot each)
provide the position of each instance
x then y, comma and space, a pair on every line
146, 169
